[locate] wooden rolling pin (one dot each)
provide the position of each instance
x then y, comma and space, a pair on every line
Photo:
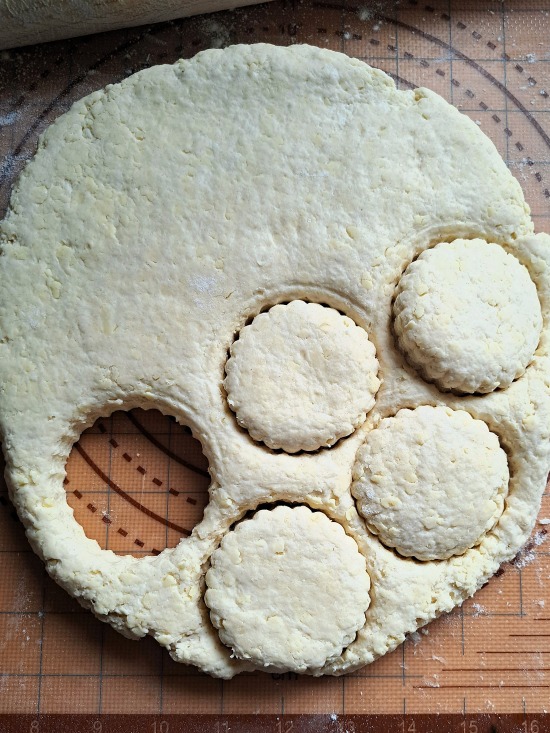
34, 21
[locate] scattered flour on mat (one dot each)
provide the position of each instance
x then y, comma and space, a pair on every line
219, 35
10, 165
432, 681
8, 119
528, 555
109, 516
375, 8
416, 636
525, 559
479, 610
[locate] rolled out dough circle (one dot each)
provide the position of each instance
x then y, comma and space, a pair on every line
157, 215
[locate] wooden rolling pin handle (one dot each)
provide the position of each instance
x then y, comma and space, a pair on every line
34, 21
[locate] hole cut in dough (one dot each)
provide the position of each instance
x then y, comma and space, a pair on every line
467, 316
430, 482
137, 482
301, 376
287, 589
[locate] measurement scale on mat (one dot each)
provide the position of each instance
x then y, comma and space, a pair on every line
444, 723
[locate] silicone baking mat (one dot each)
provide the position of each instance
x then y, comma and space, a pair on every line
138, 481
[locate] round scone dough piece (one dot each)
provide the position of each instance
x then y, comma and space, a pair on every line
467, 316
430, 482
287, 589
301, 376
